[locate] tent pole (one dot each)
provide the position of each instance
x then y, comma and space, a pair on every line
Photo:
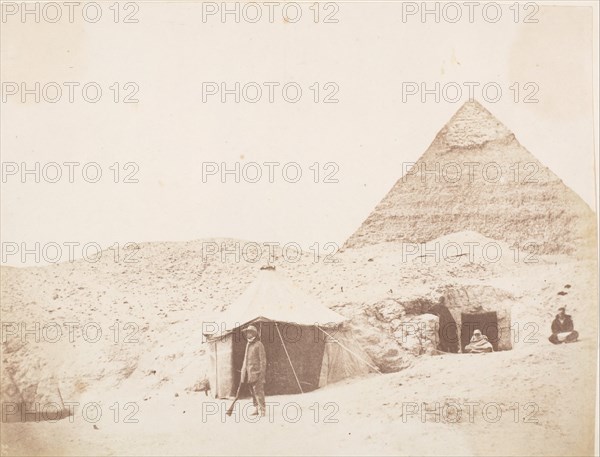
217, 371
351, 352
288, 357
62, 402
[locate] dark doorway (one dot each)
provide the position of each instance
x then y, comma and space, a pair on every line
304, 346
486, 322
448, 330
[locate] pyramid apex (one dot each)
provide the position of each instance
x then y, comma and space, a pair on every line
472, 126
473, 104
472, 101
427, 203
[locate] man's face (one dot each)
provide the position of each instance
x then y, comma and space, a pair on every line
250, 336
561, 312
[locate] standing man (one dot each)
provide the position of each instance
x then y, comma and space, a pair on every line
447, 328
254, 369
563, 330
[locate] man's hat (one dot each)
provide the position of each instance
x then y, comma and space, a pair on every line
250, 328
562, 308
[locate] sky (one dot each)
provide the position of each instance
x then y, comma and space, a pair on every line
175, 57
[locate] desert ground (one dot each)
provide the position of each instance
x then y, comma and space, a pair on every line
536, 399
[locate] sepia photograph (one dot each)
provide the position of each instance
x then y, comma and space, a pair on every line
349, 228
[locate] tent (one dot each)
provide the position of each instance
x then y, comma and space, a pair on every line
37, 400
307, 344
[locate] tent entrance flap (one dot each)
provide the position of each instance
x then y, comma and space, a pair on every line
298, 344
289, 360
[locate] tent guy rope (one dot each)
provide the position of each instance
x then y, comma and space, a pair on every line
351, 352
288, 357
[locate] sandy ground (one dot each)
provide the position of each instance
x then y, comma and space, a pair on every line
537, 399
527, 401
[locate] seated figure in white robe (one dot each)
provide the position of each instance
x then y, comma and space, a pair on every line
479, 344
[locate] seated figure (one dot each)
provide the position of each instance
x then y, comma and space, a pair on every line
479, 344
563, 330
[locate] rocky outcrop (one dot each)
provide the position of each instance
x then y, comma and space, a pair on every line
419, 334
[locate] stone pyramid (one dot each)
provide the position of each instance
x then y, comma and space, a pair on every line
476, 176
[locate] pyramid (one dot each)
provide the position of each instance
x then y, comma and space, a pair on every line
476, 176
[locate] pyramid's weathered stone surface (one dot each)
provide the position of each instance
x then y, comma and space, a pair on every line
476, 176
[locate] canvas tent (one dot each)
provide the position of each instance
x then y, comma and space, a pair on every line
306, 343
38, 399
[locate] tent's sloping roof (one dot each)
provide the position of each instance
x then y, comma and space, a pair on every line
274, 297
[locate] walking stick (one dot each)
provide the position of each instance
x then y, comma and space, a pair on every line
237, 395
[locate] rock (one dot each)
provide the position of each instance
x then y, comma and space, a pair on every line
388, 310
419, 334
378, 343
395, 324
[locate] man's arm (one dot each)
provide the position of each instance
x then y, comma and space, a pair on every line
263, 360
569, 325
244, 363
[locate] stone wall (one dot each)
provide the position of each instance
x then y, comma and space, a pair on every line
480, 299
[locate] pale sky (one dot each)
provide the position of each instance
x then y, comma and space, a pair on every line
369, 134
